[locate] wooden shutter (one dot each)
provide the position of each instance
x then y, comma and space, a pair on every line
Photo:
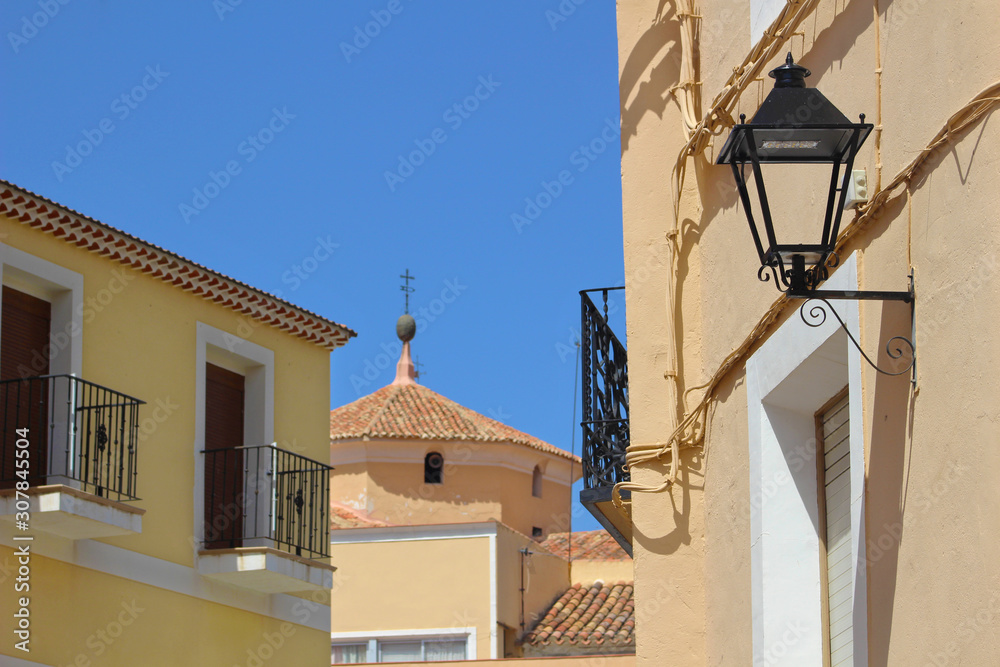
833, 430
224, 516
25, 322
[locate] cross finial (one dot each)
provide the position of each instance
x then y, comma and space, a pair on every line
417, 366
407, 289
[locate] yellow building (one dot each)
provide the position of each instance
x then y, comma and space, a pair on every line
788, 503
450, 536
167, 522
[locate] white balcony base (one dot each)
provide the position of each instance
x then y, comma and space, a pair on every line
69, 513
265, 570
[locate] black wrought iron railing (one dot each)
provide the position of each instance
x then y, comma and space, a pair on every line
266, 496
77, 432
605, 396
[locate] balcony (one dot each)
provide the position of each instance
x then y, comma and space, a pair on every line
605, 416
267, 520
74, 442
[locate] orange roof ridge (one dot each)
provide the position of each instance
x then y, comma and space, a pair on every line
413, 411
73, 227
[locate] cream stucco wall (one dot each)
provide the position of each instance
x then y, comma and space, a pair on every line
480, 482
546, 577
931, 461
409, 580
405, 580
587, 572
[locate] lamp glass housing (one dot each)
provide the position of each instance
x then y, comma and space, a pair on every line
794, 125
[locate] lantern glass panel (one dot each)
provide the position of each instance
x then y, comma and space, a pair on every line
797, 198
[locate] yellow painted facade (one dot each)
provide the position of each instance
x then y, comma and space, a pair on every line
140, 335
923, 458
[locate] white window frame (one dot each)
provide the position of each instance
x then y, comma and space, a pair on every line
59, 286
256, 364
63, 289
338, 638
791, 376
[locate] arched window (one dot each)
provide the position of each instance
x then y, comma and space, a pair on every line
536, 482
433, 465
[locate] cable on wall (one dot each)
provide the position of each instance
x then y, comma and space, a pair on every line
691, 428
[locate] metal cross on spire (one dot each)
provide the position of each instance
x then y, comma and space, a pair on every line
407, 289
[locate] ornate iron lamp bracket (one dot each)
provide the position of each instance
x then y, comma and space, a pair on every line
898, 347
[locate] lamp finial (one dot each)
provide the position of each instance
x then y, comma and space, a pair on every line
789, 75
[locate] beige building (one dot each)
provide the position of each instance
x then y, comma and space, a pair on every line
449, 537
788, 504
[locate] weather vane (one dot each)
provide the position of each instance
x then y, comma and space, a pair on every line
407, 289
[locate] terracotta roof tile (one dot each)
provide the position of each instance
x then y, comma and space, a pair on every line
599, 614
73, 227
597, 545
413, 411
342, 516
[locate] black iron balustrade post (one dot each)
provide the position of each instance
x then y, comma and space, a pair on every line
605, 396
296, 490
83, 431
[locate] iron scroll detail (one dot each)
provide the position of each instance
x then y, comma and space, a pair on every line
898, 347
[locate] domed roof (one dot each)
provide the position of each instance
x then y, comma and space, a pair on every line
412, 411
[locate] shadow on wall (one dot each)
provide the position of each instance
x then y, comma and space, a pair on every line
886, 485
651, 94
679, 499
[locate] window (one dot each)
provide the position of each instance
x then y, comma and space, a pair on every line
402, 649
426, 650
536, 532
42, 323
433, 465
536, 482
833, 430
349, 654
235, 408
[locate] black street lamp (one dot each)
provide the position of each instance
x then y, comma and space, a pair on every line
798, 125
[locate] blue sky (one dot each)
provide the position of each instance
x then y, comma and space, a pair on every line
317, 149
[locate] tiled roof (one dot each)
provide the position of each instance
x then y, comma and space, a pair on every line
596, 545
342, 516
78, 229
412, 411
601, 614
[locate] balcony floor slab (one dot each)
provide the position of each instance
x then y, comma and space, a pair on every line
70, 513
265, 570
